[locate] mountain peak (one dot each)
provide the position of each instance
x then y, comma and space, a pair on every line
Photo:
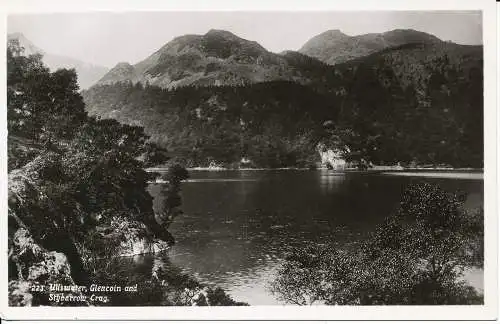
29, 47
221, 33
17, 35
334, 47
332, 35
121, 72
87, 73
401, 36
336, 32
215, 58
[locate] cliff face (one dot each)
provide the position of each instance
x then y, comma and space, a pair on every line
332, 159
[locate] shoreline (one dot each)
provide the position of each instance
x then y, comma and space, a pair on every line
458, 173
378, 169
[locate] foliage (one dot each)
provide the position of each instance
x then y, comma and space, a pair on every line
417, 104
41, 105
78, 185
442, 231
86, 168
415, 257
271, 124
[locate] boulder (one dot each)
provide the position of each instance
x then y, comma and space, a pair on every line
130, 238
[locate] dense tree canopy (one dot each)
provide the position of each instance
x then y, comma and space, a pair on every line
87, 164
273, 125
415, 105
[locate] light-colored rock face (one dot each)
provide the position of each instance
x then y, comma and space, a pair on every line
143, 245
34, 262
19, 293
332, 159
131, 238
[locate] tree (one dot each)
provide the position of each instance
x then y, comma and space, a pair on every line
42, 106
415, 257
170, 191
78, 186
72, 172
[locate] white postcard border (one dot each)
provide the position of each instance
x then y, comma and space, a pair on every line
487, 311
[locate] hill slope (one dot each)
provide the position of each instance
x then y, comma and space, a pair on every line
334, 47
416, 102
273, 124
216, 58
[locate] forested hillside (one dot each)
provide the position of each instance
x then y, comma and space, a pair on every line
419, 103
273, 124
415, 104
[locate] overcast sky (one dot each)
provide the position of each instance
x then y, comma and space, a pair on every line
109, 38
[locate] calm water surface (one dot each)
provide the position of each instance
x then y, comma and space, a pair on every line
238, 225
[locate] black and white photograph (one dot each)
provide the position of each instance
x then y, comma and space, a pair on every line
246, 158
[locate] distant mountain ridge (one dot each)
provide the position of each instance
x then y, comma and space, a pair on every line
333, 46
88, 74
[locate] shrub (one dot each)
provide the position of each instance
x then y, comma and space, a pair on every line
416, 257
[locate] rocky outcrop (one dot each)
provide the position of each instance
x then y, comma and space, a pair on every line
27, 196
131, 238
331, 158
19, 293
36, 266
180, 289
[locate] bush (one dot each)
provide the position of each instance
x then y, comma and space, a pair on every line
416, 257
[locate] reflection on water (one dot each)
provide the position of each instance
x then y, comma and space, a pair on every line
331, 181
235, 233
218, 180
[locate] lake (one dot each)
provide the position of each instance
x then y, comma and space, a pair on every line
238, 225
